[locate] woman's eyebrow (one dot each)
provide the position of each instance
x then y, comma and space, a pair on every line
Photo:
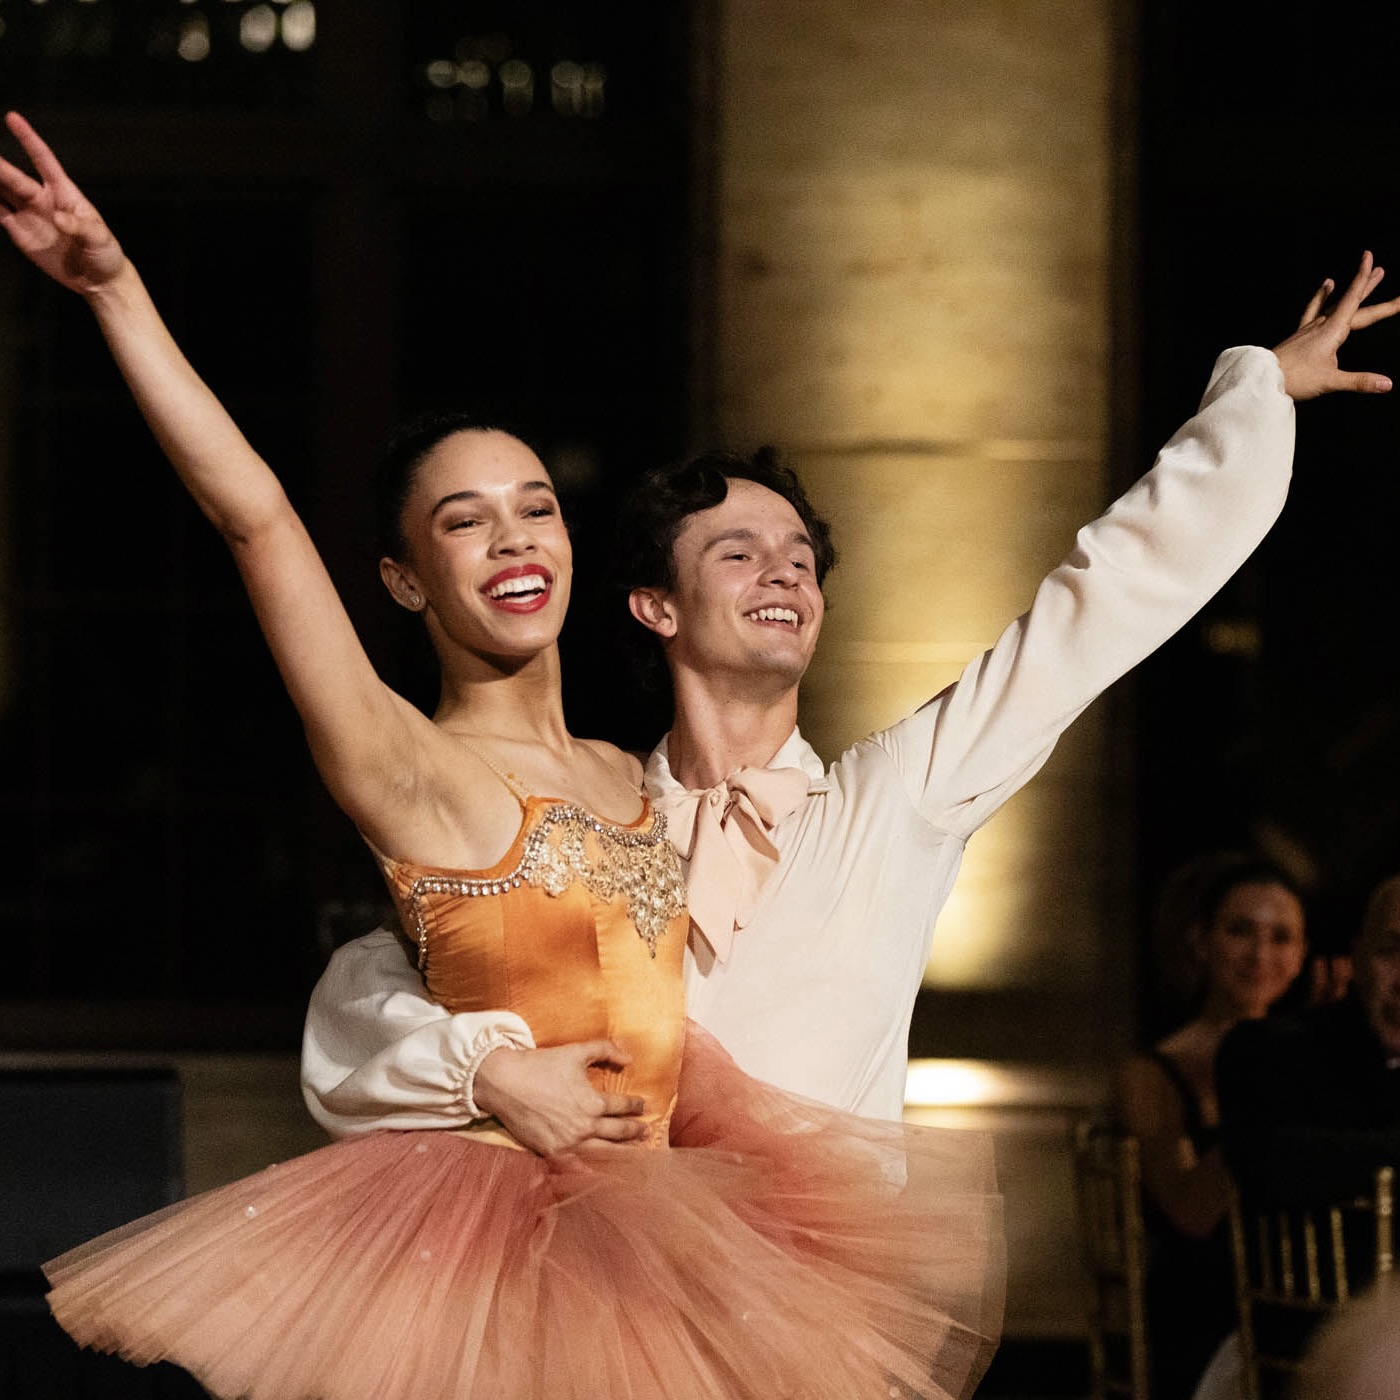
454, 496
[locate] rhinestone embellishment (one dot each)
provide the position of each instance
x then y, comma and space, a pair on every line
639, 865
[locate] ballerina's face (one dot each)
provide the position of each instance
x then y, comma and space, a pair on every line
488, 554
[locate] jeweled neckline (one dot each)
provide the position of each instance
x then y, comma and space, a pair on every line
654, 892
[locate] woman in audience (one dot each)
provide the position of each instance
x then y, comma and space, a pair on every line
1248, 935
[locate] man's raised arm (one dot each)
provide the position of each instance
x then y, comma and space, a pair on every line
1135, 575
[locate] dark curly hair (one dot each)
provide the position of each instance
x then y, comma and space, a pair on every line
655, 510
664, 498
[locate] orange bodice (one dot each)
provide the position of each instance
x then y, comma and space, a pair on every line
579, 928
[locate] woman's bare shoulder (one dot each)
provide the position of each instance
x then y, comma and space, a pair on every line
1147, 1101
623, 762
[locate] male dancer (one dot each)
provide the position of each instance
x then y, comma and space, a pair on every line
815, 890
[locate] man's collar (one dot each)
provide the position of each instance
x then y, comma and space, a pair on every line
796, 752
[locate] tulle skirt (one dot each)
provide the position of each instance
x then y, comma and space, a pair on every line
777, 1249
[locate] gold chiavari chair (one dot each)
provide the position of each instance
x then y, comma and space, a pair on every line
1296, 1266
1108, 1183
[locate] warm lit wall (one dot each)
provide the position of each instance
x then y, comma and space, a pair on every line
913, 287
913, 301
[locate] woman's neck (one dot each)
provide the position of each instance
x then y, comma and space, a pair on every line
1223, 1013
498, 699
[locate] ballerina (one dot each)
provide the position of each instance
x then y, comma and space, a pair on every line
752, 1244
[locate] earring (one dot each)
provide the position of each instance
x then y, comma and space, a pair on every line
415, 600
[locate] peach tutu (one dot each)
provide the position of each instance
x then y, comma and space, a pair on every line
779, 1248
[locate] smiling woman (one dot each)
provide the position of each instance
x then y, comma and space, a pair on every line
529, 873
1244, 923
471, 501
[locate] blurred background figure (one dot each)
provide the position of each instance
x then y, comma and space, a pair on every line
1310, 1104
1240, 925
1357, 1355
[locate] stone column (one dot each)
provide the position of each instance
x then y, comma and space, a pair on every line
913, 302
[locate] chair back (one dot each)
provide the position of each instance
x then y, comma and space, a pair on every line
1108, 1183
1295, 1266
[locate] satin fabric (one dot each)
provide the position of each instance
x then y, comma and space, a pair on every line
572, 965
722, 831
767, 1246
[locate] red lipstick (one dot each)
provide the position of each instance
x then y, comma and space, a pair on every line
522, 599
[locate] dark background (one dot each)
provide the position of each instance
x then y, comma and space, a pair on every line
339, 242
1267, 137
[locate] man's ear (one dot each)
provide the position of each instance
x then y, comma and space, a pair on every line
402, 588
652, 608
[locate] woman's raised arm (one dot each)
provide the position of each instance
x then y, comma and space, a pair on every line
360, 732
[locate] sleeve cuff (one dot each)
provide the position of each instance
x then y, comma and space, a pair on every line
484, 1043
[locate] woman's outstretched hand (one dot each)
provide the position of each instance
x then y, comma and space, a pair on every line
51, 222
1309, 356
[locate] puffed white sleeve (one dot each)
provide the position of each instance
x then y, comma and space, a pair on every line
376, 1052
1134, 577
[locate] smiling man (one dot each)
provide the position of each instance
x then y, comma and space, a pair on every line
815, 890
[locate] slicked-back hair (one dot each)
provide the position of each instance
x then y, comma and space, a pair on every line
1247, 869
409, 444
663, 499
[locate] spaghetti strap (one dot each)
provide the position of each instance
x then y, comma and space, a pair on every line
388, 863
517, 789
1201, 1133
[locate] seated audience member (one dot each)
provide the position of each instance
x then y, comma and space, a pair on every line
1310, 1104
1174, 932
1247, 929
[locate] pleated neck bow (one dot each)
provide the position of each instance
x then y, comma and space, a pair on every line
722, 831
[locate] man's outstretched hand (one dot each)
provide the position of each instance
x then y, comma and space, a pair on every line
1309, 356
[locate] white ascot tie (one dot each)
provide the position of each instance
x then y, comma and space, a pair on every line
723, 833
